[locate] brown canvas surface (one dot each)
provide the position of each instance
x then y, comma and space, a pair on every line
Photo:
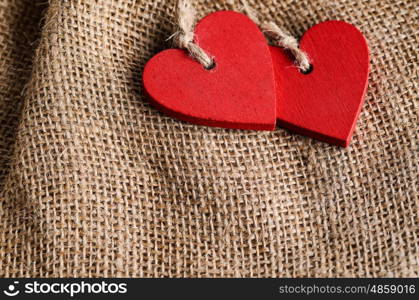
95, 182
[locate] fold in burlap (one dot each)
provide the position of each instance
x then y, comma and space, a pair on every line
95, 182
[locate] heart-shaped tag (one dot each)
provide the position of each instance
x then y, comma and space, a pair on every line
325, 103
239, 92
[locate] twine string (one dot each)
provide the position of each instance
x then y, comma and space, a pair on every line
184, 37
283, 39
280, 38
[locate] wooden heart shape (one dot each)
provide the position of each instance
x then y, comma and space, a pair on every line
325, 103
239, 92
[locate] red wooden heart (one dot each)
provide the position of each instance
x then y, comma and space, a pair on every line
238, 93
325, 103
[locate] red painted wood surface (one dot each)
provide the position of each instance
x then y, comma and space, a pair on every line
325, 103
238, 93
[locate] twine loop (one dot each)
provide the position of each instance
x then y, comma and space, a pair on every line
184, 37
280, 38
283, 39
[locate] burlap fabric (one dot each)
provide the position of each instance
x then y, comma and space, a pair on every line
95, 182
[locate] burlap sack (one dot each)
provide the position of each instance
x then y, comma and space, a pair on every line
95, 182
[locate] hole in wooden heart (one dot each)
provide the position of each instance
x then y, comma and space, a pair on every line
308, 71
211, 66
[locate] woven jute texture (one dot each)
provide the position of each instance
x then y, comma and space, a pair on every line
96, 182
